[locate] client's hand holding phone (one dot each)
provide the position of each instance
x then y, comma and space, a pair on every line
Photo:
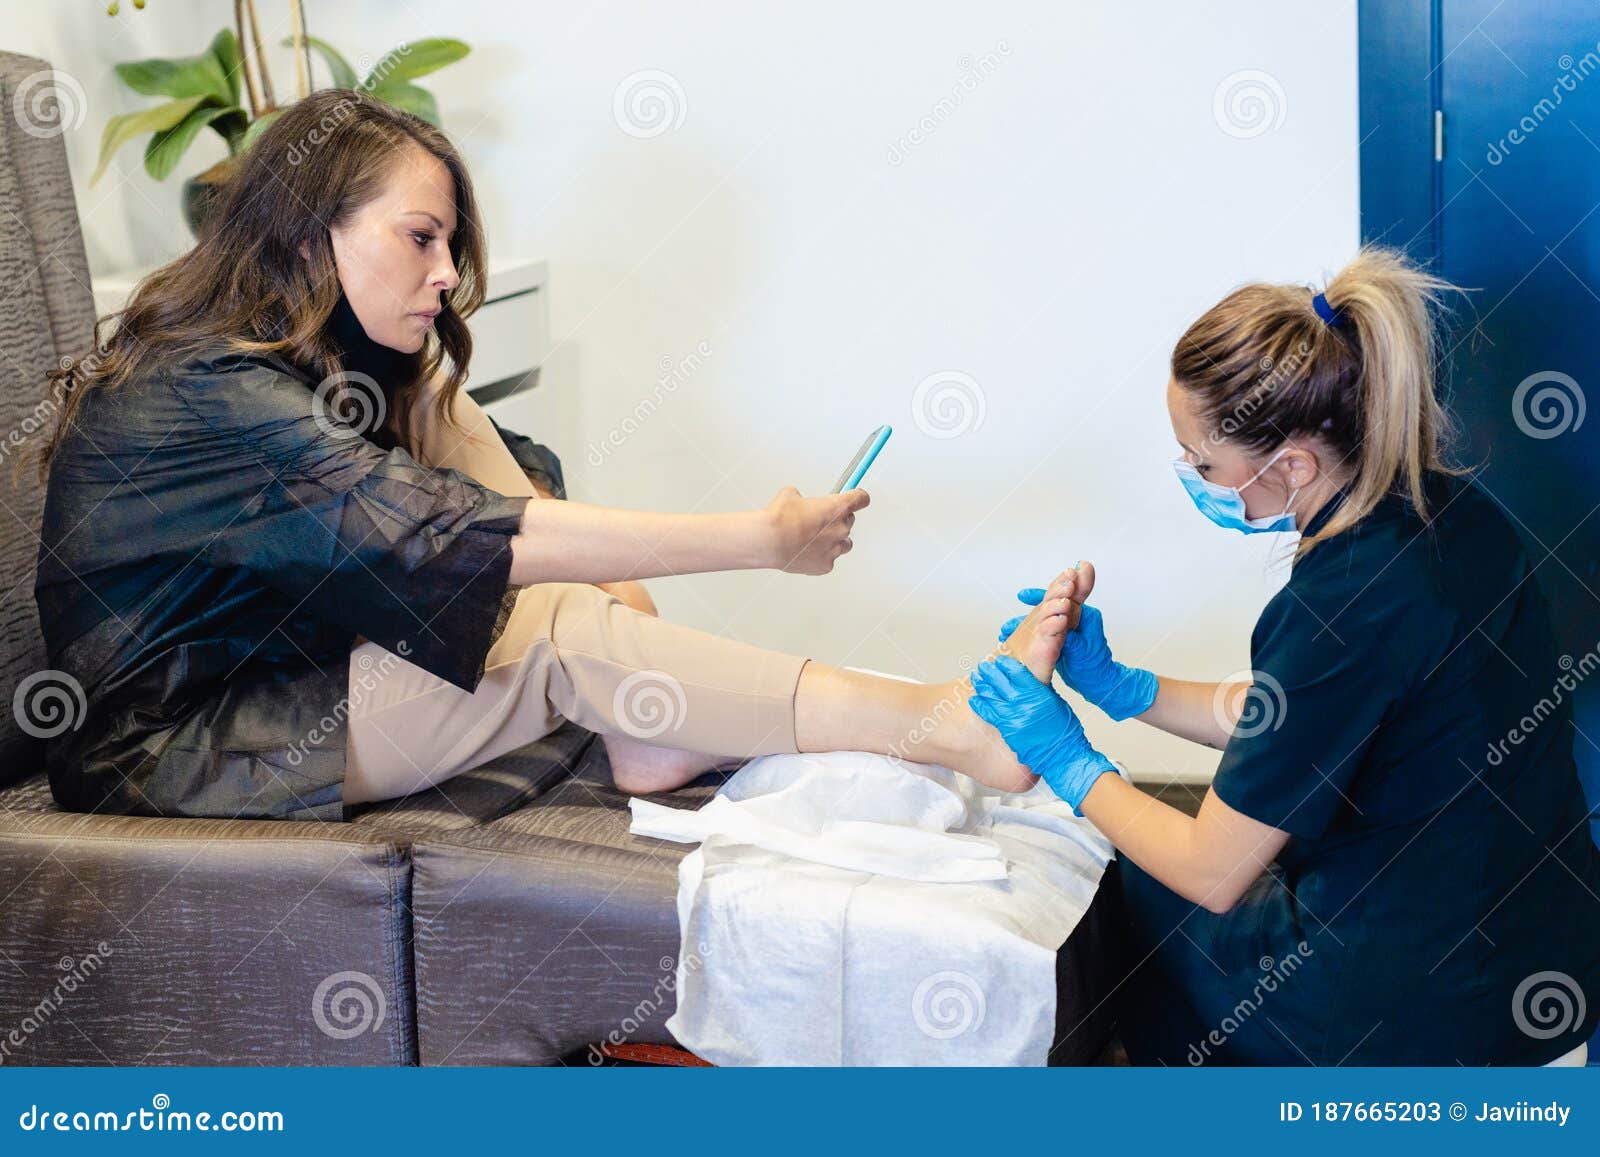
813, 532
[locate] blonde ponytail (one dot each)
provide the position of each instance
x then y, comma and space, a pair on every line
1264, 365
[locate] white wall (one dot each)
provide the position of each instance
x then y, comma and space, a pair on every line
1049, 236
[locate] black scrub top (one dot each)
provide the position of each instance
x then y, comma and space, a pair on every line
214, 541
1411, 729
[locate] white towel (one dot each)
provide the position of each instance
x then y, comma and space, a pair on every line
849, 909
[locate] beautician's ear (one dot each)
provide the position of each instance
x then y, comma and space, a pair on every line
1300, 466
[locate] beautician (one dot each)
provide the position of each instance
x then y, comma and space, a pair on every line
1391, 866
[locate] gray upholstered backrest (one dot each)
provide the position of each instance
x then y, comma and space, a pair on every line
46, 314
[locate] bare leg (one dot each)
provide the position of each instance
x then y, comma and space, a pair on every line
638, 768
837, 710
840, 710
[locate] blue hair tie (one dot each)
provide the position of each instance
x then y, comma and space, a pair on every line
1326, 312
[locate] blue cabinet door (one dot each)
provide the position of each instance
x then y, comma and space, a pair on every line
1502, 194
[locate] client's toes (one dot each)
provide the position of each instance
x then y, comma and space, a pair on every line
1036, 643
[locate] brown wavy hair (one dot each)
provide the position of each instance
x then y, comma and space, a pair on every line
245, 286
1263, 366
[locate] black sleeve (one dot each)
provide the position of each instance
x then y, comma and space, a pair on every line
415, 559
1316, 703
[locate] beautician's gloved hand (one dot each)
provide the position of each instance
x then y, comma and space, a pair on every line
1087, 667
1039, 726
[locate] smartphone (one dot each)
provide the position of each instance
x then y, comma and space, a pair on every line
853, 473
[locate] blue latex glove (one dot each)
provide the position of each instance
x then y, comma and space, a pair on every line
1039, 726
1087, 667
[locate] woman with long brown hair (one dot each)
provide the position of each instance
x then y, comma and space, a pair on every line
294, 567
1375, 875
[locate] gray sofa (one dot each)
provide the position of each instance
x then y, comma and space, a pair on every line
506, 917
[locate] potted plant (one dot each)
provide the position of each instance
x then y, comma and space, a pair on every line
219, 89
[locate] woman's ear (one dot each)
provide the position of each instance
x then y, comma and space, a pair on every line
1300, 467
304, 251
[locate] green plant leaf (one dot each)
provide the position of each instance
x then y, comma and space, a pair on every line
200, 75
257, 127
411, 98
343, 75
225, 47
120, 130
167, 147
418, 58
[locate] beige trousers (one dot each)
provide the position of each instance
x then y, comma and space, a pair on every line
568, 651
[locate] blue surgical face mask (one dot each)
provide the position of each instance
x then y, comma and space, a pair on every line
1224, 505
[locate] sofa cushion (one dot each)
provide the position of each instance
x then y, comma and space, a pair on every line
133, 940
549, 930
286, 933
46, 314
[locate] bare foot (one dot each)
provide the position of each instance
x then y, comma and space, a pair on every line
641, 768
1036, 643
958, 739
